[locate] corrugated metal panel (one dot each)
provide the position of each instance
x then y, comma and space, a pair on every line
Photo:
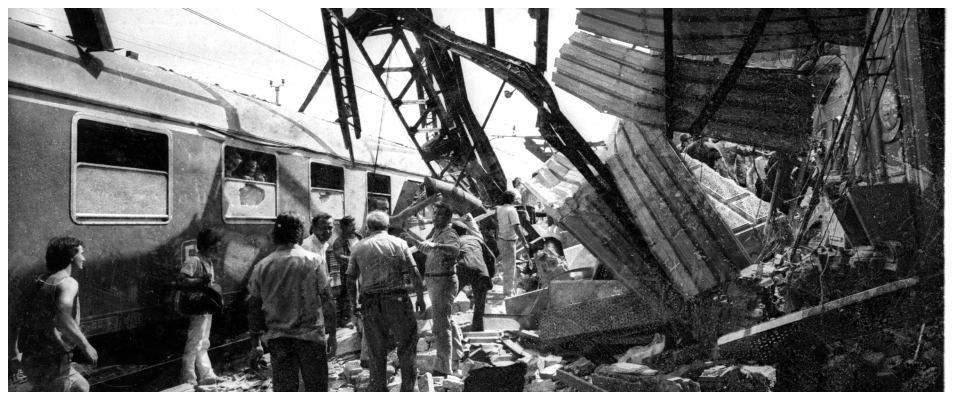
766, 108
671, 207
695, 249
722, 31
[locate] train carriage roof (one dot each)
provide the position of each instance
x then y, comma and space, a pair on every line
42, 61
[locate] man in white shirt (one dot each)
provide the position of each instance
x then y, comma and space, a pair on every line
321, 229
508, 232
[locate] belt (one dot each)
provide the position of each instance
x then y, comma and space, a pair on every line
508, 240
440, 274
391, 293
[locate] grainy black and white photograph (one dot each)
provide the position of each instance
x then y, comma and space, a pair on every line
476, 199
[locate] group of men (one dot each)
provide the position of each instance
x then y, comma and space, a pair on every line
293, 312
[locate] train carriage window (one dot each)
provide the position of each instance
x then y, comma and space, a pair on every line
121, 174
326, 190
249, 185
378, 193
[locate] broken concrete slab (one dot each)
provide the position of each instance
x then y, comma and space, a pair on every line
348, 341
622, 377
461, 303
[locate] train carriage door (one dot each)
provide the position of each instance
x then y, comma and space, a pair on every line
121, 173
327, 184
378, 193
249, 186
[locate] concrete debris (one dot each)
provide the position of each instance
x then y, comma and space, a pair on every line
549, 372
452, 384
738, 378
541, 386
637, 354
348, 341
581, 367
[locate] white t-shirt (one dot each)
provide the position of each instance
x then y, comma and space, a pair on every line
506, 219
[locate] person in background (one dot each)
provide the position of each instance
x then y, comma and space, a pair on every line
48, 323
527, 212
232, 164
197, 272
290, 299
703, 151
375, 272
443, 286
508, 233
321, 230
342, 248
475, 264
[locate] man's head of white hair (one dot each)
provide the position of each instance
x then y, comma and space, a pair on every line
377, 221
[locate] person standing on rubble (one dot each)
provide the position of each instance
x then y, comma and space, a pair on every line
342, 248
442, 284
290, 299
527, 210
508, 232
376, 272
475, 264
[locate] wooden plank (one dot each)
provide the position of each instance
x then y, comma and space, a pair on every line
577, 383
827, 322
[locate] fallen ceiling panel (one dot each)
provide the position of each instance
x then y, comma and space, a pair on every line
767, 108
722, 31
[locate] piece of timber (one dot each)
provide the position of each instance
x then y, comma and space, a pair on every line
848, 317
590, 321
722, 31
577, 383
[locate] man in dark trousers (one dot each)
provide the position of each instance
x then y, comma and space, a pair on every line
49, 323
290, 299
441, 278
342, 248
475, 264
376, 271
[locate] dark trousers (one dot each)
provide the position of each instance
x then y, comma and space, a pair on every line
342, 299
383, 315
527, 217
480, 285
293, 358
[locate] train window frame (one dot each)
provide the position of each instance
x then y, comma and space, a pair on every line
389, 194
223, 181
116, 219
311, 188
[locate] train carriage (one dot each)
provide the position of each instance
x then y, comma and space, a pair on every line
134, 160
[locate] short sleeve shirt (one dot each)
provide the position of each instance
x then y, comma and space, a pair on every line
439, 262
506, 218
195, 267
378, 263
290, 282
